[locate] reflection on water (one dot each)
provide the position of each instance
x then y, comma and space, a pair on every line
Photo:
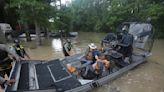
57, 44
52, 48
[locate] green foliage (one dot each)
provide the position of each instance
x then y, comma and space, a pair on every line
31, 11
91, 15
106, 15
62, 20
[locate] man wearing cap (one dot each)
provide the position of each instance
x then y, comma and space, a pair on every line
93, 49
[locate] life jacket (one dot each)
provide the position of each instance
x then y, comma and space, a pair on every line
19, 50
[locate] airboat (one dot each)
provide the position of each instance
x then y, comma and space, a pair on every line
53, 76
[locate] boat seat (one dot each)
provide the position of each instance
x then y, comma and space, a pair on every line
44, 77
116, 58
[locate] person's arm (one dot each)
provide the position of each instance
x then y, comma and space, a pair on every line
7, 49
96, 55
6, 82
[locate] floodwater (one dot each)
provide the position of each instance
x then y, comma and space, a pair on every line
148, 77
52, 48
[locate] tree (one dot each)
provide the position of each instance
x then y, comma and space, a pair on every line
106, 15
89, 15
35, 12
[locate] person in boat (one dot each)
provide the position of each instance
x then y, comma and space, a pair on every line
93, 49
5, 59
87, 59
125, 45
87, 72
102, 58
67, 47
4, 82
19, 49
91, 71
101, 66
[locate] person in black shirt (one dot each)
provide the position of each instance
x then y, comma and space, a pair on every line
126, 43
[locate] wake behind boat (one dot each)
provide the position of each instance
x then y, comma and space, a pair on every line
53, 76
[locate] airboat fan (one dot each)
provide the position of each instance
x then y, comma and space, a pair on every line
142, 32
143, 36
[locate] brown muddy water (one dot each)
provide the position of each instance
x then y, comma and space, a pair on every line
52, 49
148, 77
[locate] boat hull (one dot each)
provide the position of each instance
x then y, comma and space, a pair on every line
20, 73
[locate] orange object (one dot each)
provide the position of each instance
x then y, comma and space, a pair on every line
70, 68
107, 63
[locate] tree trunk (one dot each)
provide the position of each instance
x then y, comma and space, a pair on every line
28, 37
47, 33
38, 37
